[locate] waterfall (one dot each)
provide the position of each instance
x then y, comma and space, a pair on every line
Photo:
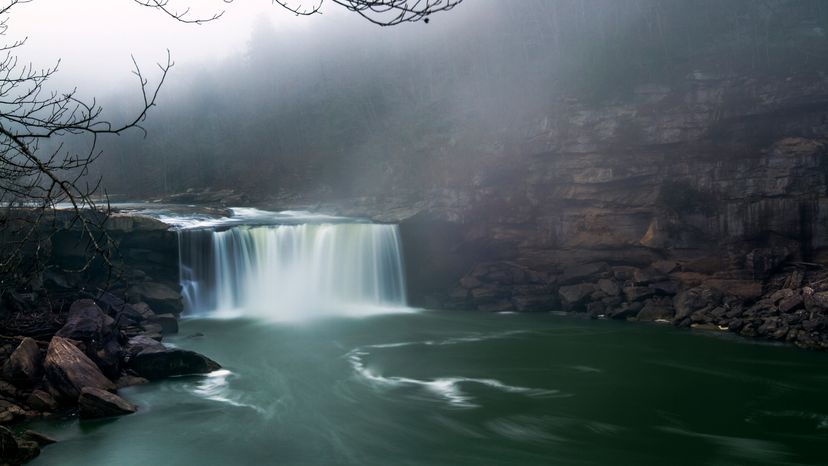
288, 272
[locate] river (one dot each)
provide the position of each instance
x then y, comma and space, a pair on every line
431, 387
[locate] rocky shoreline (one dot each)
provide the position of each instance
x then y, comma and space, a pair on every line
790, 305
102, 343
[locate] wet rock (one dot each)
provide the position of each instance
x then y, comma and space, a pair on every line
95, 403
638, 293
161, 298
689, 301
609, 287
596, 309
168, 323
156, 363
820, 299
128, 380
497, 306
10, 412
654, 310
667, 288
86, 322
791, 303
623, 273
584, 272
109, 303
41, 401
8, 390
68, 370
152, 330
779, 295
647, 276
8, 445
140, 343
665, 267
38, 438
142, 309
25, 365
574, 296
625, 311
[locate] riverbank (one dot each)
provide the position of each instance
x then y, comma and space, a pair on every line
73, 352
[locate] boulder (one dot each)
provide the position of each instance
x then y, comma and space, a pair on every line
637, 293
110, 303
8, 445
140, 343
159, 363
668, 288
68, 370
25, 365
41, 401
95, 403
609, 287
583, 272
791, 303
128, 380
142, 309
624, 311
664, 267
8, 390
10, 412
158, 296
647, 276
820, 299
87, 323
623, 272
573, 296
38, 438
779, 295
596, 309
690, 301
653, 311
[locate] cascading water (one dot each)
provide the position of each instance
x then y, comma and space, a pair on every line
288, 272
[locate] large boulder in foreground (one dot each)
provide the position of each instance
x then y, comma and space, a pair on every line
69, 371
94, 403
159, 362
25, 365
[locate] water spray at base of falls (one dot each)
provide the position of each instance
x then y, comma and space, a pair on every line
291, 272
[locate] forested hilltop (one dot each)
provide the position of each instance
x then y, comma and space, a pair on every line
361, 110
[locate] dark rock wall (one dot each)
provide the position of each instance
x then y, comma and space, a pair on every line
724, 176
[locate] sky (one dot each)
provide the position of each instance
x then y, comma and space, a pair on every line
95, 38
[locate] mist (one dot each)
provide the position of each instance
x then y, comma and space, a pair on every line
333, 104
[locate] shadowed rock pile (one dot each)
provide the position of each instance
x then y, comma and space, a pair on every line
103, 344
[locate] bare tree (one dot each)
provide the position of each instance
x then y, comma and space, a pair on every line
380, 12
41, 187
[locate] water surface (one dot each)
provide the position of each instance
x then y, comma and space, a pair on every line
469, 389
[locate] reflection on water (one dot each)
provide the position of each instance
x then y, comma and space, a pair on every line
465, 388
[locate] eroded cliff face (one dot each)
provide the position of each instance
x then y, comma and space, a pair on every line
718, 181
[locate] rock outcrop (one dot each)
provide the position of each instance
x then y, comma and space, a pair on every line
94, 403
155, 363
69, 370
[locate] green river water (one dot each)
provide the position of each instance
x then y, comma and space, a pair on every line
446, 388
